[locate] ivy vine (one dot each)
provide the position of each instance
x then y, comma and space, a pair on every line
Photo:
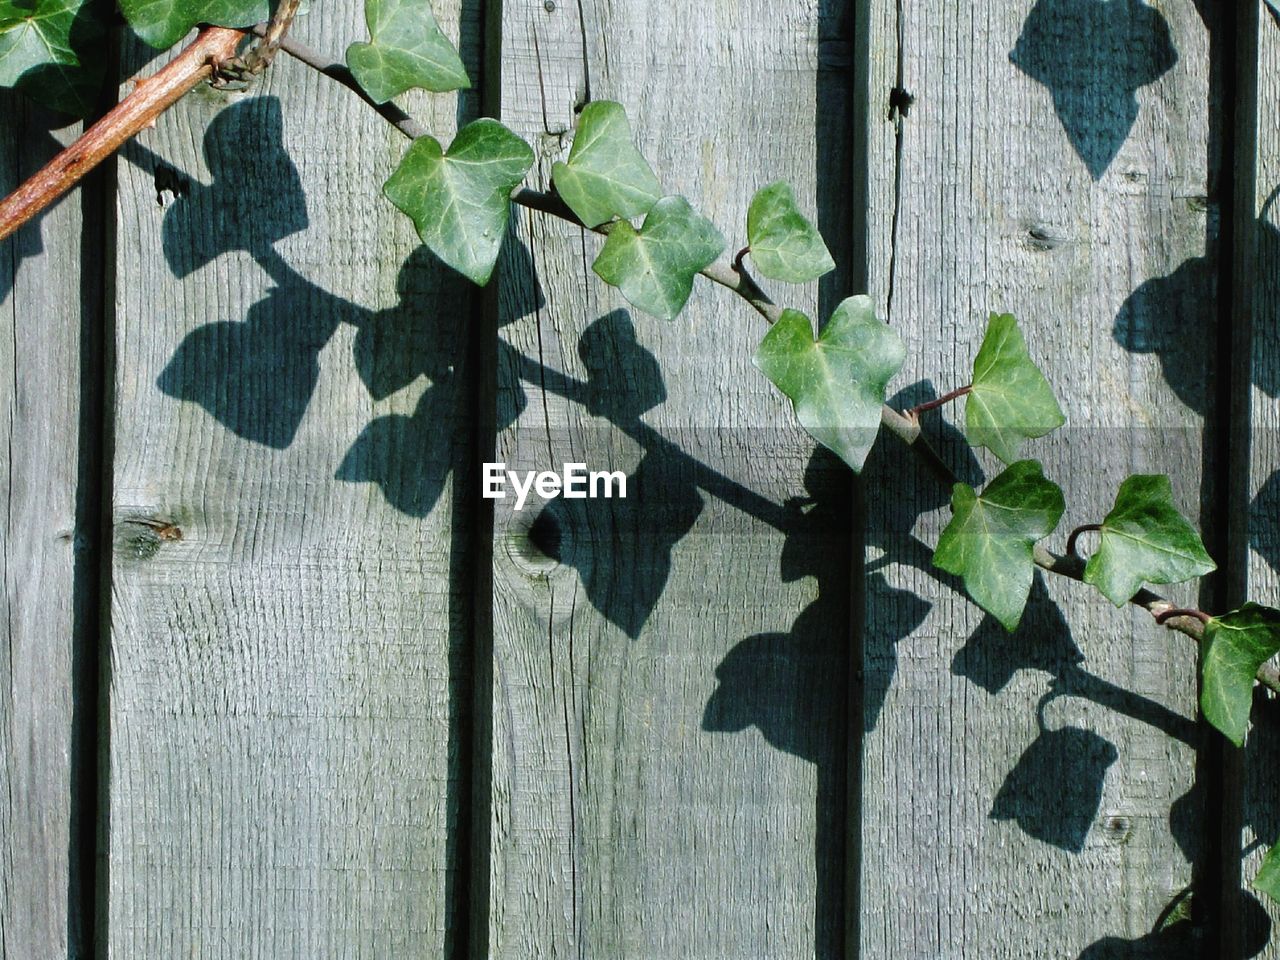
835, 375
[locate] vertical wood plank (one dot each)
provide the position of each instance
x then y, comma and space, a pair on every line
669, 692
1261, 812
50, 309
290, 609
1035, 789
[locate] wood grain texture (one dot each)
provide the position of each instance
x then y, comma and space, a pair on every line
289, 584
669, 669
1028, 182
1262, 749
50, 306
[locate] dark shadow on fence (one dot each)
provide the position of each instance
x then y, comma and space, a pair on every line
793, 686
1093, 55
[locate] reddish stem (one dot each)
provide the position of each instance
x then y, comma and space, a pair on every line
133, 114
914, 412
1169, 614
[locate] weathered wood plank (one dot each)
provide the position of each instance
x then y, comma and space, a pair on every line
1028, 181
50, 311
290, 610
1261, 811
669, 670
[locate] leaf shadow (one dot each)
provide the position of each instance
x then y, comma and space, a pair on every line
1183, 939
231, 213
793, 686
1093, 55
1175, 315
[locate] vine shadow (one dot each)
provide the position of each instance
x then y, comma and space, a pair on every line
257, 376
793, 686
621, 548
1092, 56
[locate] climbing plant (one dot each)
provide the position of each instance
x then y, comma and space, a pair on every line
836, 374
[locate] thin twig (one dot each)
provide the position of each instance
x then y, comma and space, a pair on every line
1164, 616
919, 408
274, 35
719, 272
336, 70
134, 113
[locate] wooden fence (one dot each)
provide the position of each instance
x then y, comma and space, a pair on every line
279, 683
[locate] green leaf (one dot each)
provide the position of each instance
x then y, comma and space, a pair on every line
605, 176
837, 382
1010, 399
1267, 879
1235, 645
991, 538
1145, 540
784, 245
654, 266
406, 49
162, 23
460, 200
53, 51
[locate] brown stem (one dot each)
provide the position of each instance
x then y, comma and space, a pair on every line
914, 412
724, 274
719, 272
1164, 616
138, 110
739, 257
1075, 537
336, 70
273, 35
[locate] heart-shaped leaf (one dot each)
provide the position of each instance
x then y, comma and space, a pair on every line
1267, 879
837, 382
654, 266
162, 23
605, 176
1010, 400
1235, 645
991, 538
785, 245
1145, 540
460, 200
406, 49
53, 51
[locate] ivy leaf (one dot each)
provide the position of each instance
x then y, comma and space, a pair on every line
1235, 645
162, 23
837, 382
605, 176
991, 538
52, 50
654, 266
1010, 399
1267, 879
460, 200
406, 49
784, 245
1145, 540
